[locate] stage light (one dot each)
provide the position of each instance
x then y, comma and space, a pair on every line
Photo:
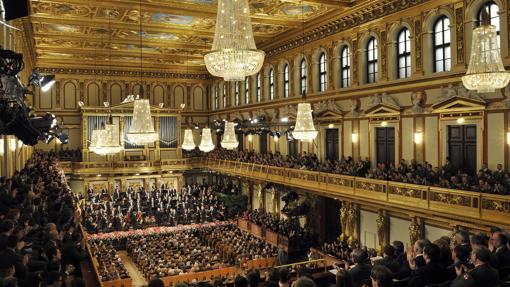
284, 120
12, 144
250, 137
38, 80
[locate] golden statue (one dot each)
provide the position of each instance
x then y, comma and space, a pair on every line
351, 222
381, 229
343, 221
414, 230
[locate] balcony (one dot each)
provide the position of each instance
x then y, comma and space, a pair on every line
489, 208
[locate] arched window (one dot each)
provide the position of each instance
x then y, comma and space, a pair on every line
323, 73
302, 76
345, 67
258, 88
271, 84
372, 60
441, 43
404, 54
216, 97
236, 94
286, 81
247, 90
224, 99
493, 11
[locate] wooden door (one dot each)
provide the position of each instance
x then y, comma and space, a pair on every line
331, 146
385, 145
462, 147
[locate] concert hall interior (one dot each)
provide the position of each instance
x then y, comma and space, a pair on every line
254, 143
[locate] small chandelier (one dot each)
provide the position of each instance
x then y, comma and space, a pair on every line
229, 137
188, 143
234, 54
485, 72
142, 127
206, 144
304, 129
110, 143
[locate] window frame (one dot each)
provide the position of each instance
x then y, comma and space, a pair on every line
247, 90
271, 84
236, 94
258, 88
303, 85
487, 5
405, 55
345, 67
224, 96
286, 81
323, 72
372, 76
443, 47
217, 97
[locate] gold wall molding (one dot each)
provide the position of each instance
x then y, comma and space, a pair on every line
124, 73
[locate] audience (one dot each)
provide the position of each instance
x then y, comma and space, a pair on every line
287, 227
110, 265
67, 154
485, 180
196, 250
40, 237
139, 208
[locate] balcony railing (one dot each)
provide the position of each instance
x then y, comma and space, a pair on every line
493, 209
490, 208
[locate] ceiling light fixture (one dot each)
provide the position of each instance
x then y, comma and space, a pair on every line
142, 131
206, 144
485, 72
188, 143
229, 140
234, 55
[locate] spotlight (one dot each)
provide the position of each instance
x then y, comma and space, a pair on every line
38, 80
63, 138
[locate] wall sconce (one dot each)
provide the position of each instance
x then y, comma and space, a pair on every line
461, 121
418, 137
507, 138
250, 138
330, 126
275, 138
354, 137
20, 144
2, 147
12, 144
384, 124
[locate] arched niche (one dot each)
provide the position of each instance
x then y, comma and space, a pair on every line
70, 97
93, 97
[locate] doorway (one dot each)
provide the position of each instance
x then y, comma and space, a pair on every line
462, 147
263, 143
331, 146
385, 145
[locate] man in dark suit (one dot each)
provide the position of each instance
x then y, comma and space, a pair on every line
483, 274
360, 272
432, 273
389, 260
500, 253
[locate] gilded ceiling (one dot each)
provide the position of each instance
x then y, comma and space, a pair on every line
175, 34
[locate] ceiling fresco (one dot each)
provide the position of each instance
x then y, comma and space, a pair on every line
175, 34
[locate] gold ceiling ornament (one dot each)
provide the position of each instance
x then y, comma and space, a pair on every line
229, 140
206, 144
188, 143
142, 131
485, 72
234, 55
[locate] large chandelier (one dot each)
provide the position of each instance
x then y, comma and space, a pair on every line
229, 140
485, 72
188, 143
142, 131
234, 55
95, 139
206, 144
304, 129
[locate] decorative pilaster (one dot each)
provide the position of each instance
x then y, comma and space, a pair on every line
459, 28
343, 221
415, 230
354, 59
384, 66
418, 38
382, 229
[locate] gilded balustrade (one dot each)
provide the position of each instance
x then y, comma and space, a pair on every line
486, 207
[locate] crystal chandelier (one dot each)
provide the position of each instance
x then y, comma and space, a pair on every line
234, 55
485, 72
206, 144
229, 140
188, 143
109, 143
97, 140
142, 127
304, 129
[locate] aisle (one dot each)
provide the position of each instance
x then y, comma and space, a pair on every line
136, 275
